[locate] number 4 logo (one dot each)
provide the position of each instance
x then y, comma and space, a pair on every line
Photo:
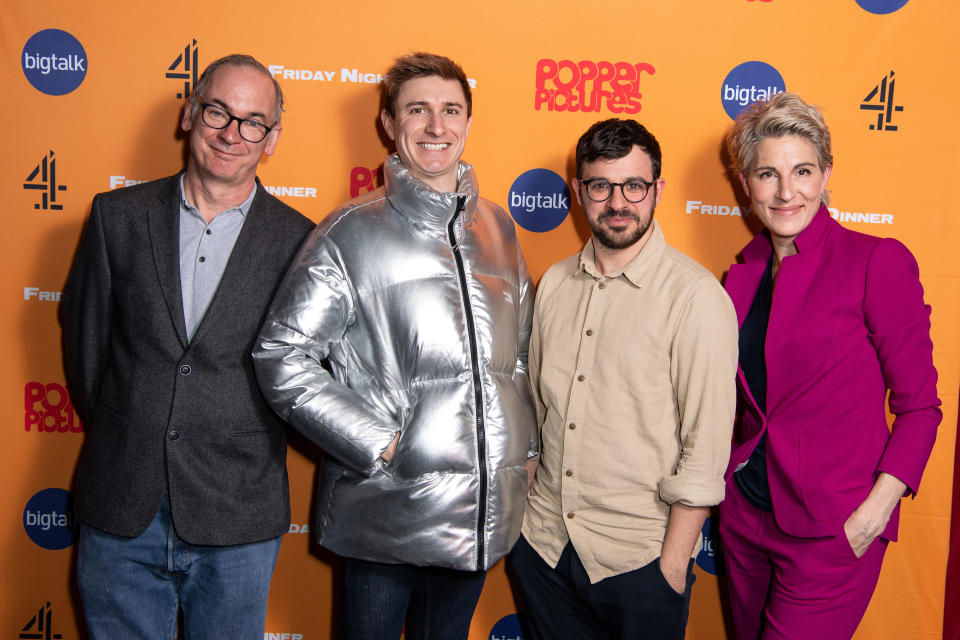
880, 99
40, 626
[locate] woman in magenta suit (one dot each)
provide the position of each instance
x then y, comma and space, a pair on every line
830, 321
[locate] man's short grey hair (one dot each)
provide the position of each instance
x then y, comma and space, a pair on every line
237, 60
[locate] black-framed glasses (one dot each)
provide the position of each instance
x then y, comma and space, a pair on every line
216, 117
601, 189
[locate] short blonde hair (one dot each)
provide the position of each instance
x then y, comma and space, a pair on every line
784, 114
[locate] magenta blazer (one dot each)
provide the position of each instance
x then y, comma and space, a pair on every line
848, 322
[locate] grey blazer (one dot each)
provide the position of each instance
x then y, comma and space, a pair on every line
161, 414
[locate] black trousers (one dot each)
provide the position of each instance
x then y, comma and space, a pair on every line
561, 604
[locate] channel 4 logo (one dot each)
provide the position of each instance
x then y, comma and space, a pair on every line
43, 178
880, 100
40, 626
48, 519
47, 409
709, 558
54, 62
539, 200
747, 83
507, 628
184, 69
882, 7
589, 86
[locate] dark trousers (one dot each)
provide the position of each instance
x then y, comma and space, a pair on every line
376, 599
561, 604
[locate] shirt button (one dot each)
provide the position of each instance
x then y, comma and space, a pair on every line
208, 232
185, 369
602, 285
581, 377
573, 425
174, 435
589, 332
569, 473
570, 515
202, 259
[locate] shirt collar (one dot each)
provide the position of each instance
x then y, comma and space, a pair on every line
638, 270
243, 207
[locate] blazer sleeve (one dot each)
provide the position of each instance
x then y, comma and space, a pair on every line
898, 323
312, 310
85, 316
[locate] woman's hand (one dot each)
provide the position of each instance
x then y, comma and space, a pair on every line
871, 517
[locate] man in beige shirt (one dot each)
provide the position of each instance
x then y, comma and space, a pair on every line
633, 363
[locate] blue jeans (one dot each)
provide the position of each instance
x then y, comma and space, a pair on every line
131, 587
436, 603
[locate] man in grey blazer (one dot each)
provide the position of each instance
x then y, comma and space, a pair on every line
181, 487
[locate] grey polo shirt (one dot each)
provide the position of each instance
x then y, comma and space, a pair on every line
204, 252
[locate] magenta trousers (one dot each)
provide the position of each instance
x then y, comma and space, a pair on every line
782, 587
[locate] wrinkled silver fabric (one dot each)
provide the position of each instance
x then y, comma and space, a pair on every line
375, 291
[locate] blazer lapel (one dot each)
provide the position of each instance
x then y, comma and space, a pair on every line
163, 220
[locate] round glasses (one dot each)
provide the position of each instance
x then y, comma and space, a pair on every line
600, 189
216, 117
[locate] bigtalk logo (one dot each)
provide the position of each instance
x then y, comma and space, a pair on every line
54, 62
882, 7
507, 628
747, 83
539, 200
709, 558
48, 519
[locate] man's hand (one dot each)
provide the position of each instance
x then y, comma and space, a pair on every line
683, 529
675, 572
871, 517
531, 467
391, 449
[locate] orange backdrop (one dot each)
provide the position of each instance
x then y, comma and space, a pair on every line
543, 72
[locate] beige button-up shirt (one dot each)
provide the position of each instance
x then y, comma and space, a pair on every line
634, 377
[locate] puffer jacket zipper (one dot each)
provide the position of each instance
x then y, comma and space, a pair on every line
477, 387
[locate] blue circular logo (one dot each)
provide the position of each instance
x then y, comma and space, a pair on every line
507, 628
539, 200
881, 6
54, 62
747, 83
48, 519
709, 557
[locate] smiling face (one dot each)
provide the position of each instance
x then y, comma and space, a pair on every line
220, 156
785, 185
430, 128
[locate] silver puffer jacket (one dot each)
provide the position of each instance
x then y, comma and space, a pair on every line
420, 302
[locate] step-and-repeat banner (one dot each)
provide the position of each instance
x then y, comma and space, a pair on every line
92, 96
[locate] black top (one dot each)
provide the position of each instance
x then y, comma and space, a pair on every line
752, 478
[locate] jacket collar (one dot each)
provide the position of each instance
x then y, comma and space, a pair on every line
807, 241
421, 204
638, 271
